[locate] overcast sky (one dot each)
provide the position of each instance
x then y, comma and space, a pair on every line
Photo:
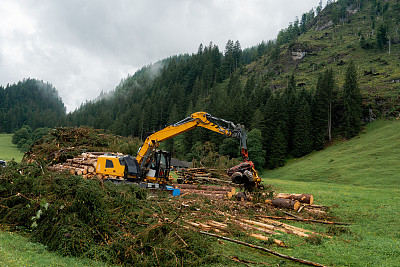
84, 47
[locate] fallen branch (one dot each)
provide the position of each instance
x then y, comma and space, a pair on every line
292, 215
302, 220
279, 227
295, 230
263, 249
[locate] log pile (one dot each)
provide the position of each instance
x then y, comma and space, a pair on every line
84, 165
217, 192
202, 176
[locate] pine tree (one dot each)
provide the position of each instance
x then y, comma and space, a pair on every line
275, 132
381, 37
302, 138
322, 109
352, 102
277, 149
256, 152
257, 120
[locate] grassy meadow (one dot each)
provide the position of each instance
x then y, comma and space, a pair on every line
8, 150
359, 179
17, 250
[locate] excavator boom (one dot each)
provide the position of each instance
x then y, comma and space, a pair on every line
197, 119
243, 173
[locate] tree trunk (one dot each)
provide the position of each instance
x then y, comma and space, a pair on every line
285, 203
303, 198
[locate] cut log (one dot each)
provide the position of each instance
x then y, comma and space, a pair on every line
285, 203
252, 227
303, 198
296, 230
204, 187
302, 220
200, 175
266, 238
316, 211
228, 194
217, 224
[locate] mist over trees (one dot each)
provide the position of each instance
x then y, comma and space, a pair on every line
284, 123
30, 102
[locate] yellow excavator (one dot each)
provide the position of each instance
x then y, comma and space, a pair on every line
150, 167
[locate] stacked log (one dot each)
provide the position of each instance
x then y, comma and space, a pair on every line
84, 165
201, 176
219, 192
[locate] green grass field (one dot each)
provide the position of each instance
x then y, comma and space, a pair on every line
8, 150
16, 250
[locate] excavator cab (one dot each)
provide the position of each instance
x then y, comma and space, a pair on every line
159, 167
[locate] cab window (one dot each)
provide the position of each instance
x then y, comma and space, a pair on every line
109, 164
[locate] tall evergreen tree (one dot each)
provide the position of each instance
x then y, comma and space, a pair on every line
302, 137
352, 102
274, 132
277, 149
381, 37
322, 109
256, 152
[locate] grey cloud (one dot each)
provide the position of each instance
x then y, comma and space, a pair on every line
84, 47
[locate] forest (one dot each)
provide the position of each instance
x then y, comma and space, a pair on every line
291, 107
30, 102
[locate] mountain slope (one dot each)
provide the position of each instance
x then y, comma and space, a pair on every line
331, 41
30, 102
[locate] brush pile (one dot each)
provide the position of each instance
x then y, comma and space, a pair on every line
69, 142
107, 222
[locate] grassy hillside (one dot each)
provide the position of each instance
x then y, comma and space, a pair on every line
9, 151
359, 178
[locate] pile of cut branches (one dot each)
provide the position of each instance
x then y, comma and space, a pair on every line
68, 142
112, 223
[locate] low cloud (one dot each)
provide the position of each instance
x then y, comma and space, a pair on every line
85, 47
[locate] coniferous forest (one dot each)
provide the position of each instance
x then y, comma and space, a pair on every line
316, 82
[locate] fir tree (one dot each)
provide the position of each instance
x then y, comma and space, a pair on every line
352, 102
302, 138
278, 146
322, 109
256, 152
